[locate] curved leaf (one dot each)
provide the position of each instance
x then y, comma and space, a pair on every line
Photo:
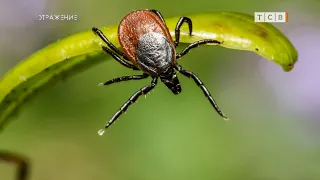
82, 50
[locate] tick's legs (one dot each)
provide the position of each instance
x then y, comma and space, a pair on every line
178, 26
118, 58
202, 86
23, 167
106, 40
195, 45
131, 100
125, 78
114, 52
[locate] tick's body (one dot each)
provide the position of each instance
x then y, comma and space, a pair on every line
146, 43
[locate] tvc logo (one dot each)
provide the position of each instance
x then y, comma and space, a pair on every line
271, 17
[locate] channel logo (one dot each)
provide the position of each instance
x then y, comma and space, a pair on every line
280, 17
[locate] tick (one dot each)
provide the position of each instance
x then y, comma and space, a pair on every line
147, 46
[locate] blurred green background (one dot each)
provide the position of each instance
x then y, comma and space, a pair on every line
274, 116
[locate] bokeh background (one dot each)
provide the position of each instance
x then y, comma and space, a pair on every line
273, 132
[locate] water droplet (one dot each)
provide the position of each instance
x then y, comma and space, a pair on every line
101, 132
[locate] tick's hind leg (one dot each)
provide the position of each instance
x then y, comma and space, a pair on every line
131, 100
118, 58
113, 51
178, 26
125, 78
195, 45
203, 87
106, 40
21, 162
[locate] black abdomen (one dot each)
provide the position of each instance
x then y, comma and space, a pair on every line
154, 53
